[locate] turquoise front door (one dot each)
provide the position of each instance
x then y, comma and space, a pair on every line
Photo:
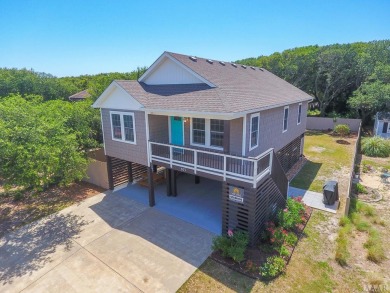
177, 130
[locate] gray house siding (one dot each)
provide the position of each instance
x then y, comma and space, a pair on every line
130, 152
271, 128
158, 128
236, 136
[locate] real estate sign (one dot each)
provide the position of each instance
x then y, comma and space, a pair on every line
236, 194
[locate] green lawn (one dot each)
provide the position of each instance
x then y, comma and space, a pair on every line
328, 157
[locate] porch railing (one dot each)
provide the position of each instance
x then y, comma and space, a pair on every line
250, 170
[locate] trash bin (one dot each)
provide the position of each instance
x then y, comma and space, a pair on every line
330, 192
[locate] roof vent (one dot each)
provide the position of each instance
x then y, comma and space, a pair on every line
210, 61
222, 63
253, 68
193, 58
243, 66
261, 69
234, 64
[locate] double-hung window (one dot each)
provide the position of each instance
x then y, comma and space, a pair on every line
285, 119
299, 113
216, 132
123, 126
199, 131
254, 131
207, 132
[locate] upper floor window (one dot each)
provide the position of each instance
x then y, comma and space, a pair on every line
254, 131
299, 113
285, 119
207, 132
123, 126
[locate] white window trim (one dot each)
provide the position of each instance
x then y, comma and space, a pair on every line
288, 114
250, 131
123, 127
207, 135
299, 118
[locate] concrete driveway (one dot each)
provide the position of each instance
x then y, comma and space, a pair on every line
108, 243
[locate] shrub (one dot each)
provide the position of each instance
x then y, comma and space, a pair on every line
342, 130
375, 147
292, 214
360, 188
273, 267
291, 239
232, 245
275, 235
314, 112
283, 251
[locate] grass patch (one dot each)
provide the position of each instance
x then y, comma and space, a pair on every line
374, 245
324, 156
361, 217
342, 254
377, 163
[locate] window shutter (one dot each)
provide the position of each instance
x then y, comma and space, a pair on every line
385, 127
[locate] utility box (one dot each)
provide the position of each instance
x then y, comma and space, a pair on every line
330, 192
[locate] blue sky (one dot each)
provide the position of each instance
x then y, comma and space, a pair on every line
70, 37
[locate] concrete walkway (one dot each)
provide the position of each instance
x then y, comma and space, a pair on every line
313, 199
108, 243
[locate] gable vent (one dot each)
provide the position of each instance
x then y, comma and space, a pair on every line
243, 66
253, 68
222, 63
235, 65
210, 61
193, 58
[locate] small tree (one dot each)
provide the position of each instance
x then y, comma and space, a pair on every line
342, 130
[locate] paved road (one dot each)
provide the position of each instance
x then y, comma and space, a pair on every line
108, 243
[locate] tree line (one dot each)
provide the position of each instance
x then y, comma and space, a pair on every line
44, 138
350, 80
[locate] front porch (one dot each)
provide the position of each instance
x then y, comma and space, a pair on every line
215, 165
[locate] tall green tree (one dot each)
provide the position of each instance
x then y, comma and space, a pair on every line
37, 145
374, 94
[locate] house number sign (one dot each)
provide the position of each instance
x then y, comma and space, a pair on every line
236, 194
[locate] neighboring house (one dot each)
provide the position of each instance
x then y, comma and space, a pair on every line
238, 124
80, 96
382, 124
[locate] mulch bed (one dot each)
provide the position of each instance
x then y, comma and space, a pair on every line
256, 256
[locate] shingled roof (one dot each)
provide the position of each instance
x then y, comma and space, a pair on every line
238, 88
79, 96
